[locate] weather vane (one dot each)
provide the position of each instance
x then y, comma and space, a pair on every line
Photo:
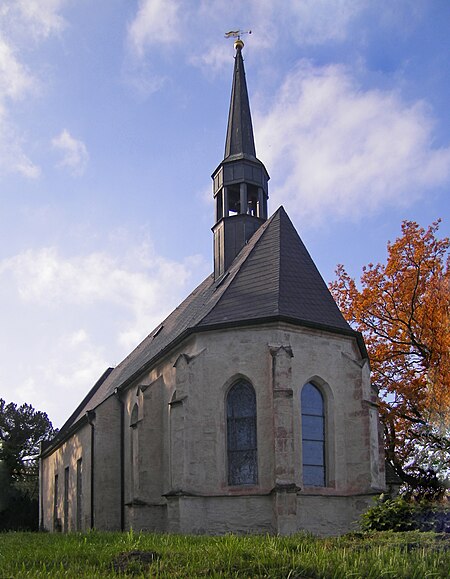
237, 33
238, 44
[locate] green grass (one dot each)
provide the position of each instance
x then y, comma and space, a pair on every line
410, 555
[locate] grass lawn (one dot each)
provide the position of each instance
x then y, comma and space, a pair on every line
410, 555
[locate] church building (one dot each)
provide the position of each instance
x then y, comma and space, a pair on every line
249, 409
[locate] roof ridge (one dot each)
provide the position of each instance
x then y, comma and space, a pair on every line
279, 212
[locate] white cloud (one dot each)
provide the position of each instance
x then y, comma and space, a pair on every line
75, 154
78, 337
147, 285
211, 19
66, 319
15, 79
303, 22
20, 22
156, 22
60, 381
12, 156
41, 17
143, 80
318, 21
215, 59
336, 150
26, 20
16, 82
201, 25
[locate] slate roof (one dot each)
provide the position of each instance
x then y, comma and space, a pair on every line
272, 278
277, 278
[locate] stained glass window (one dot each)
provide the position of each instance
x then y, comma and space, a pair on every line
313, 436
241, 435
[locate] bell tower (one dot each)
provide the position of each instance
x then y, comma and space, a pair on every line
240, 182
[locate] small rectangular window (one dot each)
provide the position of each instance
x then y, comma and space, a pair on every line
55, 504
66, 499
79, 494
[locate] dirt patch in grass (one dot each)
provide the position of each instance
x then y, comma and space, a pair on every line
134, 562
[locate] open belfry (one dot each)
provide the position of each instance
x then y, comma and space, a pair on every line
249, 409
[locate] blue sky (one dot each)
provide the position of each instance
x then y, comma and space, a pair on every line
113, 116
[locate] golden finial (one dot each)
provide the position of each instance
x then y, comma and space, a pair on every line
238, 43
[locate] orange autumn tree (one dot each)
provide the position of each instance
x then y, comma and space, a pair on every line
402, 308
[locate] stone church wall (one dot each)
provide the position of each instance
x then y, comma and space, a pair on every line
331, 515
331, 361
187, 440
65, 485
175, 471
145, 425
107, 472
220, 515
87, 462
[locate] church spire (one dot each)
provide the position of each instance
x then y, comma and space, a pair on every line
240, 139
240, 182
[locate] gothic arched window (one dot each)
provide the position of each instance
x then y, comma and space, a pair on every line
241, 435
313, 436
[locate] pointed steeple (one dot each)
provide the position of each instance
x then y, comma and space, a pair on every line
240, 139
240, 185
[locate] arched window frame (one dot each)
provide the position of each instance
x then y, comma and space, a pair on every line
241, 434
312, 406
329, 440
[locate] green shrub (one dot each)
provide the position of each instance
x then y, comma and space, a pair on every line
20, 514
400, 514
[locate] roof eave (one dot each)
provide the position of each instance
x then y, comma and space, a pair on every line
69, 427
296, 322
240, 323
240, 157
62, 437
